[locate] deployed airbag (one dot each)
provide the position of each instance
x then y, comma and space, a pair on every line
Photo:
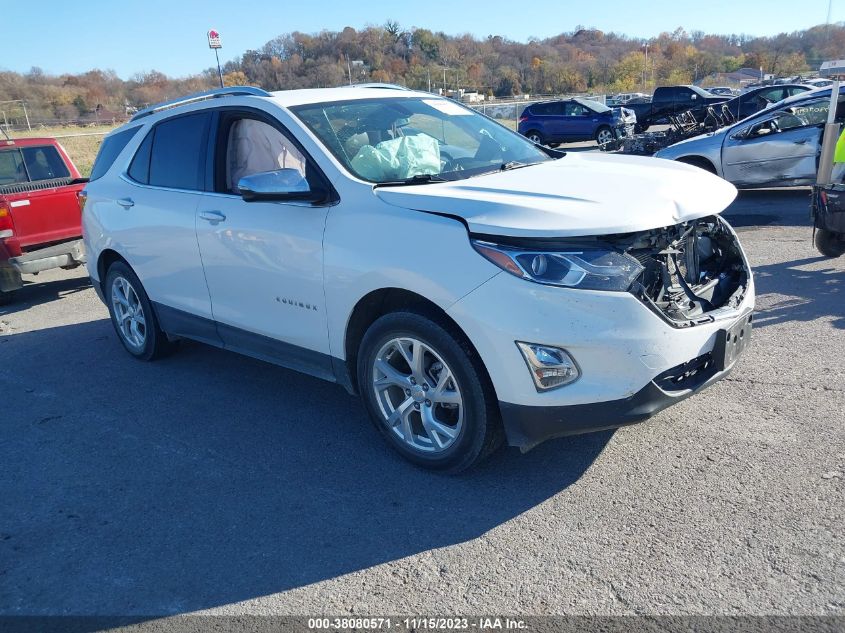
398, 158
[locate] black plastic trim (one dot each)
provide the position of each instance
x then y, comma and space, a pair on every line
179, 323
526, 426
277, 352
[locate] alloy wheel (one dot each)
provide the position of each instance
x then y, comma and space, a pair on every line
418, 395
128, 313
604, 136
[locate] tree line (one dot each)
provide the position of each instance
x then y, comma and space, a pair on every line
583, 60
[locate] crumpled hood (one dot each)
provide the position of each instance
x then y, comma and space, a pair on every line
579, 194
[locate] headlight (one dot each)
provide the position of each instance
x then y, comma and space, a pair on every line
591, 267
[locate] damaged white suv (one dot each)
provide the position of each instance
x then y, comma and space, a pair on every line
469, 285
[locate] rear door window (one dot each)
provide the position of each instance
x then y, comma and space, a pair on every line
110, 150
178, 153
547, 109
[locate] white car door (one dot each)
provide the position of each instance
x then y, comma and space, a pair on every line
263, 260
780, 148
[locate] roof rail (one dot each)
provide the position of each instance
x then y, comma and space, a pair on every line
231, 91
377, 85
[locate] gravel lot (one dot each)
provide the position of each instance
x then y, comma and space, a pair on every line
210, 481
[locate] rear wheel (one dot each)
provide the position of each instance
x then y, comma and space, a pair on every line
535, 137
132, 315
830, 244
5, 297
604, 135
427, 392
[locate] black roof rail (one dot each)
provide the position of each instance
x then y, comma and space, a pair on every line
231, 91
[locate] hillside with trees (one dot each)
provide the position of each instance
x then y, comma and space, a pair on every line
584, 60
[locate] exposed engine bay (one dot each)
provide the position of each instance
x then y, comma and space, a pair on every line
690, 269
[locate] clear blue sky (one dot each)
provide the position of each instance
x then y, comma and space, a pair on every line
170, 35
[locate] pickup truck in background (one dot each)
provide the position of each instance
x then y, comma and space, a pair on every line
40, 212
671, 100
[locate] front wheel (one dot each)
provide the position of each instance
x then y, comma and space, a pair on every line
604, 135
427, 392
830, 244
5, 297
132, 314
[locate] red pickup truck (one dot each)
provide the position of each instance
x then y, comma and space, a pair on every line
40, 212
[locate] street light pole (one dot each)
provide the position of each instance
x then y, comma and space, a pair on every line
645, 65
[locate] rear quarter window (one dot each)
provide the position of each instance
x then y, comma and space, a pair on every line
110, 150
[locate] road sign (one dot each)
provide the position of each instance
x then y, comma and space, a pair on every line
214, 39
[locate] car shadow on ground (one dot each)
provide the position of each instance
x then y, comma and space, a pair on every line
808, 294
209, 478
35, 292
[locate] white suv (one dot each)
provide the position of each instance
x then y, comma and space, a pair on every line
469, 285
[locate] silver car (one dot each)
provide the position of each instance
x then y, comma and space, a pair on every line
777, 147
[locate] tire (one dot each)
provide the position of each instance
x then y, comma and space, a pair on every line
604, 135
444, 416
10, 278
830, 244
136, 326
639, 128
535, 137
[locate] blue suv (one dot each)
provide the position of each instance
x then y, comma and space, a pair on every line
555, 122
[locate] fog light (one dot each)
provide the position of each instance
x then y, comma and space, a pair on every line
550, 367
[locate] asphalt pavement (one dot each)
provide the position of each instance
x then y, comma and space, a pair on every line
210, 481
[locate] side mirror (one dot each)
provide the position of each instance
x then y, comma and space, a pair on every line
693, 96
280, 184
742, 134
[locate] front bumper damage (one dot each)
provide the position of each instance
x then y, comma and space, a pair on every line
527, 426
679, 329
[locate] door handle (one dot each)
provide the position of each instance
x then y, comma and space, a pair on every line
126, 203
212, 216
801, 142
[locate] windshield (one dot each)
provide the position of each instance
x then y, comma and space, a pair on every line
397, 139
595, 106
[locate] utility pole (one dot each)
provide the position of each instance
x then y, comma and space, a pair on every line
428, 74
645, 65
26, 116
349, 69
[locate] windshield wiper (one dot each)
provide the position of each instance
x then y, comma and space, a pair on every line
508, 165
419, 179
513, 164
